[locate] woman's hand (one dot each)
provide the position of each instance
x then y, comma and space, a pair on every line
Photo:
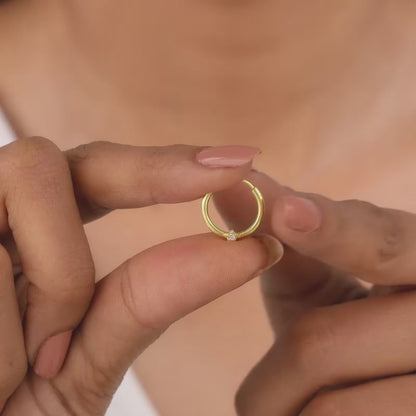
340, 349
42, 234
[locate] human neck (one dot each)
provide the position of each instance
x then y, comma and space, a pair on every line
225, 70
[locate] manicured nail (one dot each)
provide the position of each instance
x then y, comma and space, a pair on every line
301, 214
227, 156
274, 248
51, 355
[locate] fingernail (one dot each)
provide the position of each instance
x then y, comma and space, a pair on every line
274, 248
51, 355
227, 156
301, 214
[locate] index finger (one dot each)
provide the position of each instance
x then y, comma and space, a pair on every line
110, 175
376, 244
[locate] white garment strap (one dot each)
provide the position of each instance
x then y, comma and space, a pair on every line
130, 399
6, 132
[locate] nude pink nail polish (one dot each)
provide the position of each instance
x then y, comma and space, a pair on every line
51, 355
227, 156
301, 214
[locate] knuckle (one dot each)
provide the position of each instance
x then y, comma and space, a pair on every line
77, 281
37, 152
94, 390
98, 389
161, 159
310, 341
38, 165
79, 153
386, 236
86, 151
92, 399
75, 286
325, 405
153, 159
391, 243
148, 322
83, 272
145, 182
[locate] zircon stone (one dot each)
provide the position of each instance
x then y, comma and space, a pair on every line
231, 236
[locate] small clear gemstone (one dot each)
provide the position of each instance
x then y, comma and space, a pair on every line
231, 236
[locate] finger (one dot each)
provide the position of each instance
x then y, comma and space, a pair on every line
143, 296
109, 175
12, 348
387, 397
39, 206
298, 282
341, 344
373, 243
301, 283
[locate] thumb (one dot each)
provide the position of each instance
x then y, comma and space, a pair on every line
143, 296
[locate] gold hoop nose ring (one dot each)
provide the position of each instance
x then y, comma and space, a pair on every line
235, 235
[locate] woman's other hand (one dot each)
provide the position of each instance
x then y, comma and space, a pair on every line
41, 225
341, 348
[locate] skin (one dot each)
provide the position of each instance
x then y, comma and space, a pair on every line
324, 346
131, 306
350, 114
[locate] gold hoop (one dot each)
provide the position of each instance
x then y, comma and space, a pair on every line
234, 235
